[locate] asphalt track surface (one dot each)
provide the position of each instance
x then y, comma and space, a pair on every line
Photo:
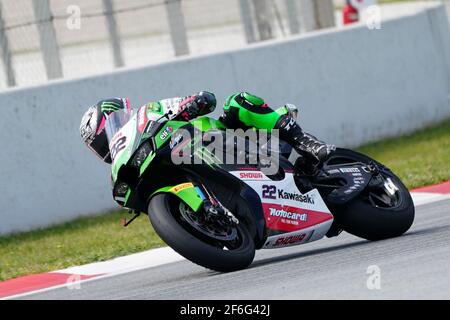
413, 266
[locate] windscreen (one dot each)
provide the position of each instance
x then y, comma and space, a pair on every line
115, 121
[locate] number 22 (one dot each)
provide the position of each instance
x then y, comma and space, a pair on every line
268, 192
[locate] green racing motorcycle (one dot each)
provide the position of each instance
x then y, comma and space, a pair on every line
217, 214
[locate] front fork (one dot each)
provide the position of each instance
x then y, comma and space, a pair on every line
214, 209
196, 195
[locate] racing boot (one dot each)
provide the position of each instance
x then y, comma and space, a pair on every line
314, 151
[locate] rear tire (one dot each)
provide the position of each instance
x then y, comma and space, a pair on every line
364, 220
164, 218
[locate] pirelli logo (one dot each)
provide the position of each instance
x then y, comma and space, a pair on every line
181, 187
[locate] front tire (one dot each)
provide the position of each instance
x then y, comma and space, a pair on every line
167, 221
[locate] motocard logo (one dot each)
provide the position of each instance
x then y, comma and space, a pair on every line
251, 175
165, 133
284, 241
287, 214
295, 196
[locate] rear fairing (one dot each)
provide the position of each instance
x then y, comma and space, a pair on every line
291, 217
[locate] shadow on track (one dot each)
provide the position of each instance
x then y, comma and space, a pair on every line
358, 243
427, 230
308, 253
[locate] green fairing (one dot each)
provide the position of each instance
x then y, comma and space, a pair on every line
206, 123
174, 126
188, 195
127, 196
146, 163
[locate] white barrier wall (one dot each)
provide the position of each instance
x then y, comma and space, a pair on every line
353, 86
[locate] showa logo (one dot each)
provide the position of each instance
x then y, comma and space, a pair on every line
230, 147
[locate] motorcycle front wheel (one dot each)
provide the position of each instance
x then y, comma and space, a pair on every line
213, 246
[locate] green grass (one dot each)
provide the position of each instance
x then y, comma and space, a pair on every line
422, 158
78, 242
419, 159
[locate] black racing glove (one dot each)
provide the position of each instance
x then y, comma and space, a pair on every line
198, 105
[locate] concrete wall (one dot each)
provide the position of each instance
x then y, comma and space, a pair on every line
353, 86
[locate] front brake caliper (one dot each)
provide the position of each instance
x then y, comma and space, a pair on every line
213, 207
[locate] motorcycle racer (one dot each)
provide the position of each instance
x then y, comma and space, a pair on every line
216, 213
241, 110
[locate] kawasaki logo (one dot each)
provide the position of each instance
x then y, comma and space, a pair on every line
295, 196
286, 214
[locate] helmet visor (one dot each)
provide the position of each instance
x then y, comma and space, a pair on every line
99, 146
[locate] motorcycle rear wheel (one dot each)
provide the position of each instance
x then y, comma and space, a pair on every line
366, 218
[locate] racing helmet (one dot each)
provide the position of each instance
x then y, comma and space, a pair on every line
92, 127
